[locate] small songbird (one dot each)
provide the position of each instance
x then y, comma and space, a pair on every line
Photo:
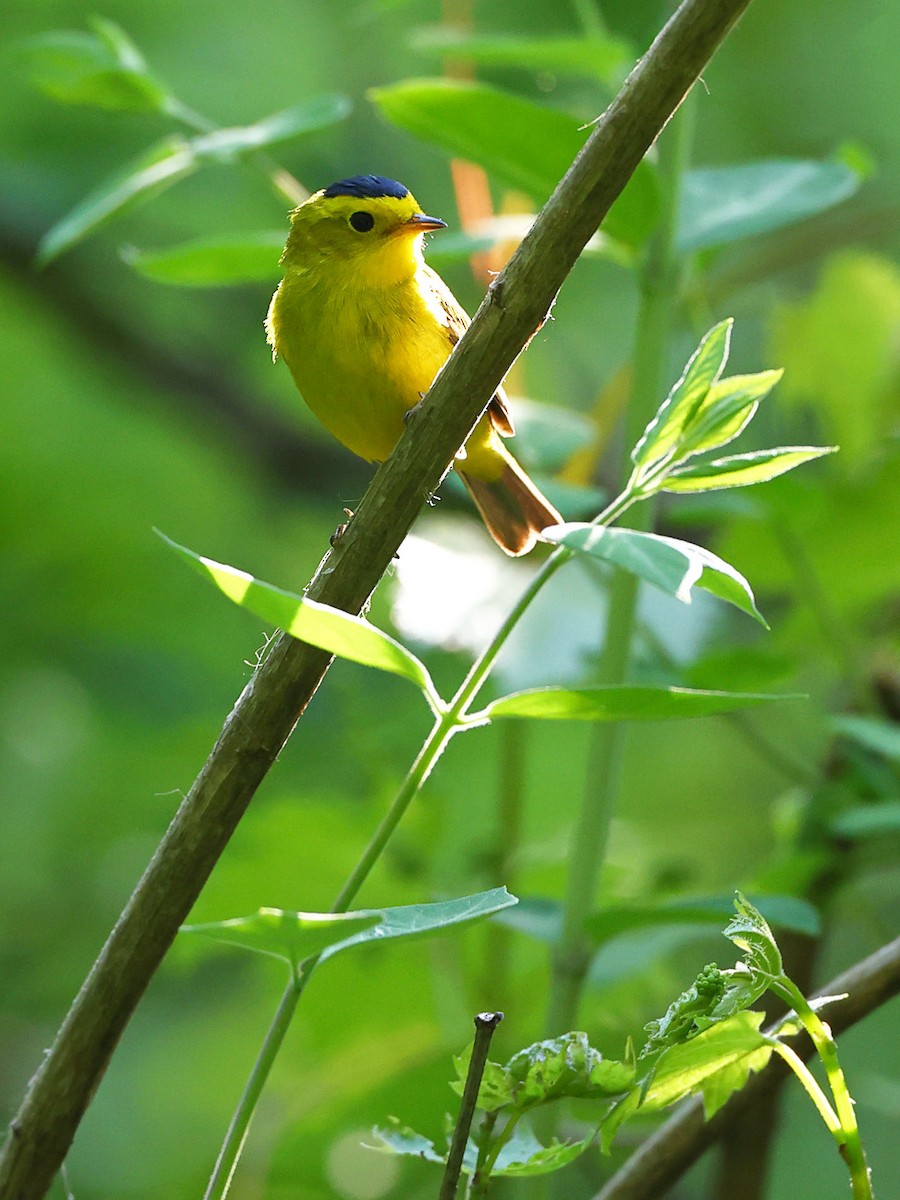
364, 326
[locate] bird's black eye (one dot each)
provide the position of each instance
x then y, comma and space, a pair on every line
362, 222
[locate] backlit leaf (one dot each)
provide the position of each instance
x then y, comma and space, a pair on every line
622, 703
742, 470
674, 566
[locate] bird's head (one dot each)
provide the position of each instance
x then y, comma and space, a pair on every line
368, 225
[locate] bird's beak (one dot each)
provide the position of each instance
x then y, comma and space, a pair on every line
419, 223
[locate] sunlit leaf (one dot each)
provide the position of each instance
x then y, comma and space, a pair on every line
295, 936
292, 936
663, 434
742, 470
622, 703
598, 56
312, 115
729, 406
674, 566
243, 258
722, 204
156, 169
317, 624
716, 1063
102, 70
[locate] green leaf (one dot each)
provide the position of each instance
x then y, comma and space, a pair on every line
742, 470
154, 171
663, 435
295, 936
292, 936
674, 566
317, 624
716, 1062
597, 56
873, 733
750, 932
526, 145
212, 262
723, 204
523, 1155
622, 703
868, 820
400, 1139
102, 71
729, 406
320, 112
788, 912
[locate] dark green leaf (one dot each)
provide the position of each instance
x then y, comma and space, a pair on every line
663, 435
596, 56
788, 912
243, 258
722, 204
317, 624
742, 470
622, 703
156, 169
674, 566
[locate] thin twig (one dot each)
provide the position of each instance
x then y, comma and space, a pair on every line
485, 1024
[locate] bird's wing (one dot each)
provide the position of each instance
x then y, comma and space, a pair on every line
456, 322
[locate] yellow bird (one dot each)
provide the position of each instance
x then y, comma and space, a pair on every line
364, 326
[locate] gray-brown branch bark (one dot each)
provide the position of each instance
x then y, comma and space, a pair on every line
281, 688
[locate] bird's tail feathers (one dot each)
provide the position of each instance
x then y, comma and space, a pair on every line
511, 506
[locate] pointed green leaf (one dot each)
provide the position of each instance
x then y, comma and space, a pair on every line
243, 258
292, 936
622, 703
874, 733
317, 113
674, 566
663, 435
595, 55
750, 932
722, 204
295, 936
742, 470
728, 408
156, 169
317, 624
425, 920
103, 71
716, 1062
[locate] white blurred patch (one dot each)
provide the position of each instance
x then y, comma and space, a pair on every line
354, 1171
453, 588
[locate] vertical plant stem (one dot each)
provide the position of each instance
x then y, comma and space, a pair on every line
512, 737
659, 279
485, 1024
847, 1134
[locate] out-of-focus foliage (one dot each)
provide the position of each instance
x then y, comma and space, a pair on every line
130, 405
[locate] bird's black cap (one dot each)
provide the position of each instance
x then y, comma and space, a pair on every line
367, 187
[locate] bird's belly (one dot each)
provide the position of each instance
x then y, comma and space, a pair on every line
358, 378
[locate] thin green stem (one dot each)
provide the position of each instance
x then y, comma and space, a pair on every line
607, 742
220, 1180
847, 1133
810, 1083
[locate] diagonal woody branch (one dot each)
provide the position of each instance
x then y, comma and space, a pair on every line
278, 693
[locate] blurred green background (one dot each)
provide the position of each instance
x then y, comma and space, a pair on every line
129, 405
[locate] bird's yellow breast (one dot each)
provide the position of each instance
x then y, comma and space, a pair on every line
361, 355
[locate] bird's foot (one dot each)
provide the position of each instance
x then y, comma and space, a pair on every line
342, 528
411, 412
